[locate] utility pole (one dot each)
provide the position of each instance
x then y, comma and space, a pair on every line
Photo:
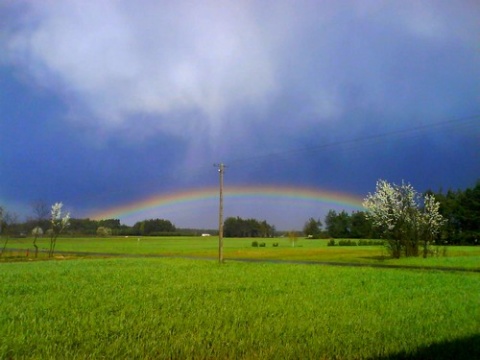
221, 170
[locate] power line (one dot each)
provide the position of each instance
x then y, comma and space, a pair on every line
364, 139
240, 162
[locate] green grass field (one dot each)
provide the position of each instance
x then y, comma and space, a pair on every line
467, 257
162, 308
176, 308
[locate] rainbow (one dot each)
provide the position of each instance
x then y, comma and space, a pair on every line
231, 192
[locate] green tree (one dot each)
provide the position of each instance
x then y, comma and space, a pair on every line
153, 227
461, 208
312, 228
469, 214
238, 227
338, 224
360, 226
451, 231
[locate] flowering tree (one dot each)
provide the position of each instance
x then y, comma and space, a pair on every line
104, 231
58, 224
395, 210
432, 220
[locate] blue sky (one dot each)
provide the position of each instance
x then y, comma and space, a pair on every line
104, 103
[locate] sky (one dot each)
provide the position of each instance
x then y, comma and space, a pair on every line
121, 109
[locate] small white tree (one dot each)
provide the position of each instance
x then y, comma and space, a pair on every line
58, 224
395, 210
104, 231
432, 221
37, 231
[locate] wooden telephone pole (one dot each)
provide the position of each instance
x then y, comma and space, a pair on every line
221, 170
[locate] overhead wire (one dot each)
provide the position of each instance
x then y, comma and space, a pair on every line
465, 121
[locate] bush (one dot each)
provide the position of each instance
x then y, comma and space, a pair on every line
370, 242
275, 244
331, 242
347, 242
262, 244
254, 243
104, 231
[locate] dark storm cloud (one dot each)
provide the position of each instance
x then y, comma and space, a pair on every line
149, 94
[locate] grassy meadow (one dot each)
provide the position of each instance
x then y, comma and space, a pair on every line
177, 308
94, 307
467, 257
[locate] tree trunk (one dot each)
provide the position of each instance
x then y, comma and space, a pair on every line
35, 245
4, 246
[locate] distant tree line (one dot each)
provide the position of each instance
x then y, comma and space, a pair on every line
10, 226
460, 209
151, 227
238, 227
341, 225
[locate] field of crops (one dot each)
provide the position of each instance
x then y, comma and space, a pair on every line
178, 308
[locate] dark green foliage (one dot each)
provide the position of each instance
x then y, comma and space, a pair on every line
262, 244
338, 224
344, 225
83, 226
238, 227
312, 228
255, 243
462, 211
361, 227
110, 223
363, 242
275, 244
347, 242
89, 227
153, 226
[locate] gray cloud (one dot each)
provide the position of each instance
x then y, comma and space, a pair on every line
190, 68
121, 60
183, 84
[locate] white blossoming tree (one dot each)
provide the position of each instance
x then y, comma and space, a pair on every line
58, 224
396, 211
104, 231
432, 221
